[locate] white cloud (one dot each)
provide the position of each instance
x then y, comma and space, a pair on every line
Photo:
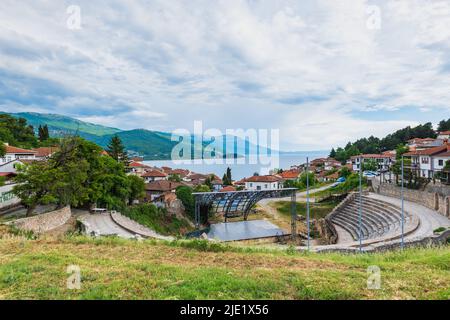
163, 64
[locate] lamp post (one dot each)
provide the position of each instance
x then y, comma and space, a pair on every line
403, 204
307, 199
360, 203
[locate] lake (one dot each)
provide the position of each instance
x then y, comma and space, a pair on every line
239, 171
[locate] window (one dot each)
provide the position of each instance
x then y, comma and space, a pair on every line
265, 186
425, 160
441, 162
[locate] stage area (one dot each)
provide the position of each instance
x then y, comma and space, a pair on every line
244, 230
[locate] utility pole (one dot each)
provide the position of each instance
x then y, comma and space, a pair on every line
307, 197
360, 203
403, 203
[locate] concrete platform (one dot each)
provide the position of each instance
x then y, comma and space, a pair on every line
244, 230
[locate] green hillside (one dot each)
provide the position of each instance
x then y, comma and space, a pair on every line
62, 124
153, 145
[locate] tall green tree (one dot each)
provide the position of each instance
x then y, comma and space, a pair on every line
43, 133
444, 125
137, 188
332, 153
116, 150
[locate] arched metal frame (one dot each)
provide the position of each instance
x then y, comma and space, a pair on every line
239, 203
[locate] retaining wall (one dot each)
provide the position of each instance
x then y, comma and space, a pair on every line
44, 222
435, 198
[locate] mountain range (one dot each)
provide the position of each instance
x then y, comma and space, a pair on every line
152, 145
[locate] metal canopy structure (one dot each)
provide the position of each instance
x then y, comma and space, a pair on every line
239, 203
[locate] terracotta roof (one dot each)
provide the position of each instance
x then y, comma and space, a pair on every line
45, 151
135, 164
263, 179
333, 176
444, 132
291, 174
154, 173
430, 151
372, 156
240, 182
11, 149
162, 185
228, 189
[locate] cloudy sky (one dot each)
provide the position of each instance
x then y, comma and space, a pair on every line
323, 72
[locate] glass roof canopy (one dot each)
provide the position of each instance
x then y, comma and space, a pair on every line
238, 203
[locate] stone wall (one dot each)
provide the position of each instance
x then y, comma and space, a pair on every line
44, 222
435, 198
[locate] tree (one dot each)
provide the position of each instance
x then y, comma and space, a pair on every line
43, 133
17, 132
137, 188
370, 165
116, 150
444, 125
332, 153
76, 175
2, 149
34, 185
187, 199
202, 188
174, 177
227, 179
344, 172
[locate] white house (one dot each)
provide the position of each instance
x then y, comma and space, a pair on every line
427, 162
153, 175
263, 183
384, 161
444, 135
13, 153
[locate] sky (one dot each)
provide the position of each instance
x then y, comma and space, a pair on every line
322, 72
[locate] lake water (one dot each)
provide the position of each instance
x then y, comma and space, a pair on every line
239, 171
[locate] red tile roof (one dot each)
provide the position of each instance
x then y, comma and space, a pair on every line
263, 179
372, 156
135, 164
162, 185
291, 174
430, 151
45, 151
15, 150
228, 189
154, 173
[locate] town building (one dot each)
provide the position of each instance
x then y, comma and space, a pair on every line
444, 135
269, 182
155, 189
426, 163
384, 161
153, 175
44, 153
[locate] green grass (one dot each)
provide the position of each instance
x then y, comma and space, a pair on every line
114, 268
317, 210
157, 220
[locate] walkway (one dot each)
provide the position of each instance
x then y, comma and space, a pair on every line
103, 225
430, 220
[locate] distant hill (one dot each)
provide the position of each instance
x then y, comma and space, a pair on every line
58, 123
152, 145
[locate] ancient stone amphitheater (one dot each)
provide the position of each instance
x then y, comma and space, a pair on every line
380, 224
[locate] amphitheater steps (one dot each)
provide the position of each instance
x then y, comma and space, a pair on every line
379, 219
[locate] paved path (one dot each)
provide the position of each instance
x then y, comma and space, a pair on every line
430, 220
103, 225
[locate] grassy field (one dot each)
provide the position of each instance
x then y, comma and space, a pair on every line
121, 269
317, 210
